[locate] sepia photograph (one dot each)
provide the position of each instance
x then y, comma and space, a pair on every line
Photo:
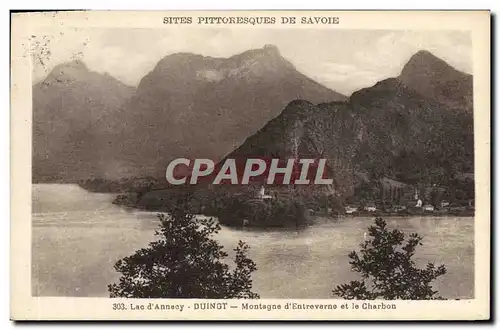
215, 156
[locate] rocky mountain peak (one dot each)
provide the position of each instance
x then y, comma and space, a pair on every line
425, 63
436, 79
67, 72
271, 49
71, 67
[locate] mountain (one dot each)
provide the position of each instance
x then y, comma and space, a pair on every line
76, 113
435, 79
389, 129
306, 130
415, 127
196, 106
88, 124
406, 135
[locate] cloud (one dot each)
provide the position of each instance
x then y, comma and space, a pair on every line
346, 78
392, 50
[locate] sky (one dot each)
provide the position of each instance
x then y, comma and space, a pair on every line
343, 60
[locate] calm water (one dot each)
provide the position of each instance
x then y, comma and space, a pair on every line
78, 236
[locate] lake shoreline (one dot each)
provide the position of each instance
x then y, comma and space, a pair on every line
78, 236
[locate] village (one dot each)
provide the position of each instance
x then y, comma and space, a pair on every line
390, 197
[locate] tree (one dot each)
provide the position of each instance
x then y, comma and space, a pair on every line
185, 262
387, 269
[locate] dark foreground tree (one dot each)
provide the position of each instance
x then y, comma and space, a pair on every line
185, 262
387, 269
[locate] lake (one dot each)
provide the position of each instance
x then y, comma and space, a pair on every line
77, 236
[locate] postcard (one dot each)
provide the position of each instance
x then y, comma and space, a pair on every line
250, 165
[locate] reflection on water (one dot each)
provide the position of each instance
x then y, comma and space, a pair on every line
78, 236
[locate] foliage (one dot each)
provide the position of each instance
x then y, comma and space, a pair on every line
276, 212
387, 269
366, 192
185, 262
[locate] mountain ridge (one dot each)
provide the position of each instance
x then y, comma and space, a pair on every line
204, 113
380, 125
74, 108
434, 78
222, 101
